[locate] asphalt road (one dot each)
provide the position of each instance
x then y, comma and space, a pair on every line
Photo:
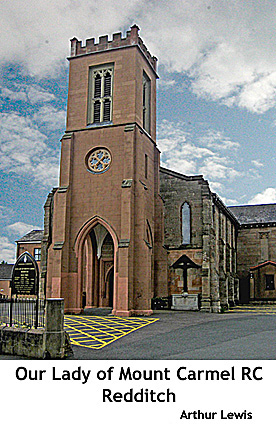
192, 335
196, 336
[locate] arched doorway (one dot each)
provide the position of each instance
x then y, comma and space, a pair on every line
96, 251
110, 286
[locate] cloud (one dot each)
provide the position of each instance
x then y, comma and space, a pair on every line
257, 163
34, 94
268, 196
21, 228
216, 187
217, 140
259, 95
7, 250
15, 230
24, 150
166, 83
36, 34
226, 48
39, 95
229, 201
13, 95
217, 167
51, 117
198, 150
177, 153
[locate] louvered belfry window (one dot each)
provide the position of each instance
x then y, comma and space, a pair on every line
100, 94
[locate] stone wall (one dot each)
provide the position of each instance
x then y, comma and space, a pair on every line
43, 343
212, 247
259, 289
176, 189
255, 246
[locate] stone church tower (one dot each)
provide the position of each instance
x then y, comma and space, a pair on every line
103, 231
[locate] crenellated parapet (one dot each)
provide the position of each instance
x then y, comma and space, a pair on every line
132, 38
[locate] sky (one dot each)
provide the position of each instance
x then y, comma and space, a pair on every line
216, 94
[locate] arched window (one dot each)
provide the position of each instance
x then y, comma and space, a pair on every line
149, 239
146, 102
186, 223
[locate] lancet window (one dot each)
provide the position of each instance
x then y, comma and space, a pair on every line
146, 102
100, 94
186, 223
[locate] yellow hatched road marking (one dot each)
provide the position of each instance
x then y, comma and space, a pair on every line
82, 332
91, 323
97, 332
112, 320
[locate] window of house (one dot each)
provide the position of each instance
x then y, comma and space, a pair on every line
186, 223
146, 102
269, 282
100, 94
37, 254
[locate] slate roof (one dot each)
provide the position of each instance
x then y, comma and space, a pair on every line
34, 236
255, 214
5, 271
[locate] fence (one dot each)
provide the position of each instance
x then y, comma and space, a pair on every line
48, 342
23, 312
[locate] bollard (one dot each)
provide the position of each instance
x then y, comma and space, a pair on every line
54, 346
54, 315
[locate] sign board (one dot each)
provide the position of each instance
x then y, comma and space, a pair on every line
25, 275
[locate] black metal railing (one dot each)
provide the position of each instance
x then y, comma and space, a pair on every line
22, 312
159, 303
4, 309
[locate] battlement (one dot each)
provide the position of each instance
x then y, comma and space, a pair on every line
132, 38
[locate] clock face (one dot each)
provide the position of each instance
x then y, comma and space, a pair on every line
99, 161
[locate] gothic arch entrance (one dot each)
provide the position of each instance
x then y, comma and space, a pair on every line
110, 286
96, 248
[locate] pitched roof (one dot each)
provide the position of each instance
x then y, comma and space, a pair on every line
6, 271
263, 265
255, 214
34, 236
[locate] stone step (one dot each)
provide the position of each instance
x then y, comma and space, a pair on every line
262, 302
97, 311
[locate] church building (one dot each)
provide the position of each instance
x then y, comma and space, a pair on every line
103, 238
120, 231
